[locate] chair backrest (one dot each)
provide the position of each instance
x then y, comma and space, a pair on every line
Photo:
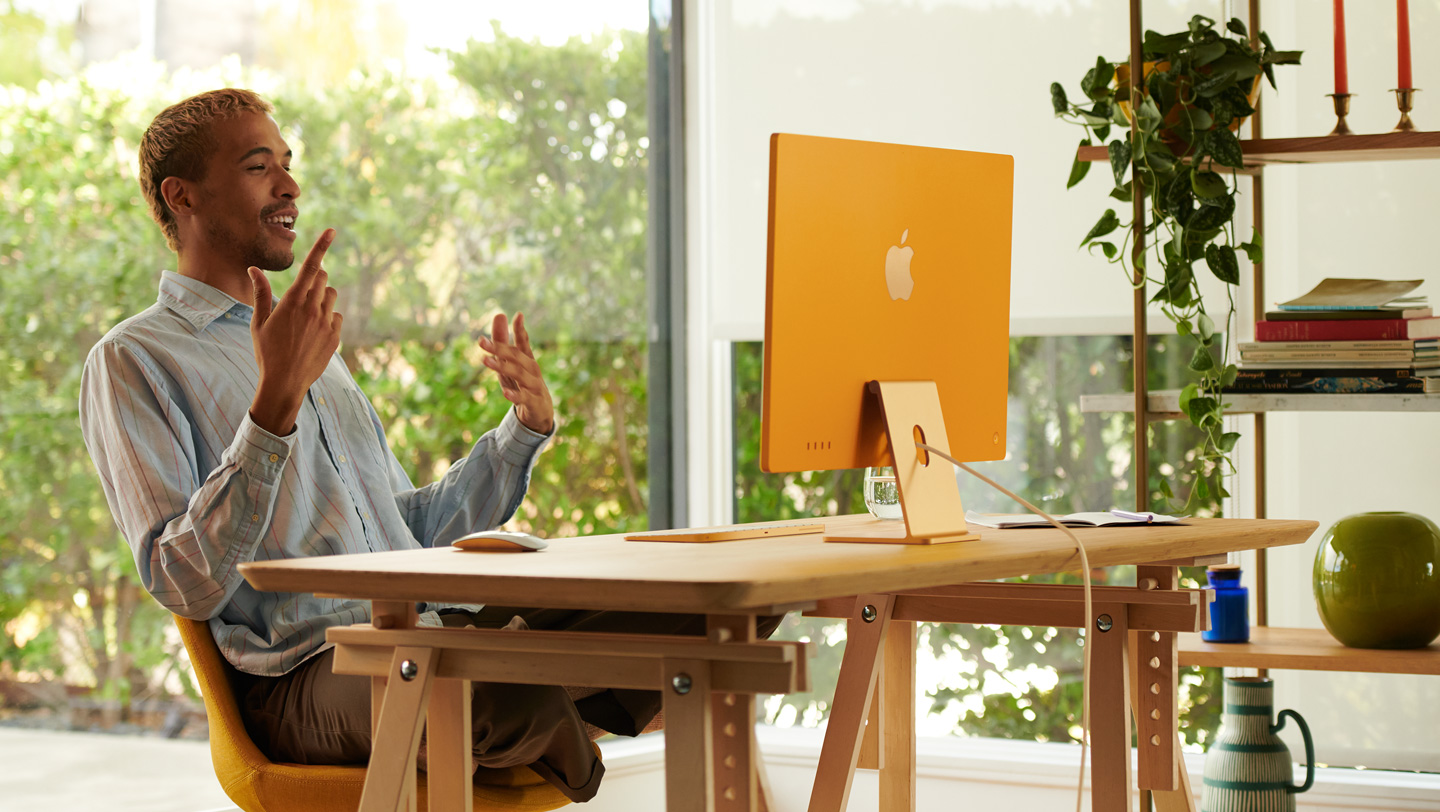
230, 746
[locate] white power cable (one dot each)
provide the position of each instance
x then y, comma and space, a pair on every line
1085, 627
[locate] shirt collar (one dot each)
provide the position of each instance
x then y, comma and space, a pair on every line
196, 302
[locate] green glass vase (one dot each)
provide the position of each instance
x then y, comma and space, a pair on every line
1377, 580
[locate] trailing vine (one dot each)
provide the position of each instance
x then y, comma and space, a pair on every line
1186, 158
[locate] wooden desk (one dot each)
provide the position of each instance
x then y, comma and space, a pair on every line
729, 582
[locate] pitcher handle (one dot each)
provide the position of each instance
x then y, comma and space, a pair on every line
1309, 747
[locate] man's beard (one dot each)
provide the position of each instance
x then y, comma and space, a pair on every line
254, 250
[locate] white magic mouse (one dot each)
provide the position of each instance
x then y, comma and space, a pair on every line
500, 541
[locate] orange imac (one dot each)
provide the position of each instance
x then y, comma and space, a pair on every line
887, 319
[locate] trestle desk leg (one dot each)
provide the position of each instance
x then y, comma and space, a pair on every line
1110, 777
689, 754
897, 771
838, 755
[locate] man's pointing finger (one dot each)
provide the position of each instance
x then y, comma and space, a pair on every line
316, 257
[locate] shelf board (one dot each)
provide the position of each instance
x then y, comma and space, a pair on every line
1324, 149
1165, 404
1306, 650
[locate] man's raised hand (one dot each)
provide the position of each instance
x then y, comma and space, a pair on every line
521, 381
294, 341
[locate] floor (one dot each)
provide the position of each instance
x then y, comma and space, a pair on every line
92, 771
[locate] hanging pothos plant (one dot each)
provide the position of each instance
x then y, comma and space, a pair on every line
1199, 85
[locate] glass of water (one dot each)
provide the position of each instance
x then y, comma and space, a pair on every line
882, 495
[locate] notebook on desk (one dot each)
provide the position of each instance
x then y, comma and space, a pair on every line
1110, 518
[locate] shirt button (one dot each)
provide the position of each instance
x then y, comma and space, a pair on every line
274, 457
254, 517
342, 457
322, 401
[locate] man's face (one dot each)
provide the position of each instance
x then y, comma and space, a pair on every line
248, 212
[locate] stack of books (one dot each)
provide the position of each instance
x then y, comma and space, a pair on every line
1347, 336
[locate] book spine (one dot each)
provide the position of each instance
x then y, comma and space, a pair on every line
1332, 355
1339, 346
1369, 330
1247, 374
1328, 386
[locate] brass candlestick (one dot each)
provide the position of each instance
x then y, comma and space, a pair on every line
1403, 97
1342, 109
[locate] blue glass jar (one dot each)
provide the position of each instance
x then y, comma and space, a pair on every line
1230, 611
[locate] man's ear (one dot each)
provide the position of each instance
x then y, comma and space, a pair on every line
179, 196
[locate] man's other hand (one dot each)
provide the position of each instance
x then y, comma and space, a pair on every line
294, 343
520, 379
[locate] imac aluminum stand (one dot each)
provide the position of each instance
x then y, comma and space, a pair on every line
929, 495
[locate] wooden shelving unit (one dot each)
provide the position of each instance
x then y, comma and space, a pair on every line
1312, 649
1306, 650
1164, 404
1411, 146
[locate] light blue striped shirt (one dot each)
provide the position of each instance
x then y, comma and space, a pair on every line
197, 488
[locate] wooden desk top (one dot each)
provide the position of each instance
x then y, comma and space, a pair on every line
607, 572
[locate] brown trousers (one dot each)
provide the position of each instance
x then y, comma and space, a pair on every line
315, 716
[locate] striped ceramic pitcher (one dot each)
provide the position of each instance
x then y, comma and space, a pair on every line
1248, 768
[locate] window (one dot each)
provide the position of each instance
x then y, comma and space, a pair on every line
470, 167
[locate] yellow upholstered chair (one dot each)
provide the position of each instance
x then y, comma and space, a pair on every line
256, 784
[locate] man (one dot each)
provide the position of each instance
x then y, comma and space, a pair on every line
225, 429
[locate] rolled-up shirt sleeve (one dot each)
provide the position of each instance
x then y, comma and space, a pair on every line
188, 529
480, 492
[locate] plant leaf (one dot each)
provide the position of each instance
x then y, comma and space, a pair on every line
1228, 376
1207, 184
1228, 441
1189, 393
1221, 261
1107, 223
1157, 44
1197, 119
1205, 327
1243, 67
1057, 98
1217, 83
1119, 160
1224, 147
1207, 53
1149, 114
1108, 247
1237, 27
1213, 215
1254, 249
1097, 79
1125, 194
1078, 169
1281, 57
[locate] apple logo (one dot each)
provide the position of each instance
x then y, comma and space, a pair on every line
897, 269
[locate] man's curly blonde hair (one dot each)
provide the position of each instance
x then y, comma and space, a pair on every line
178, 141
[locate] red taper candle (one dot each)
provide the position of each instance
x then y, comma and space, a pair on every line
1342, 84
1402, 36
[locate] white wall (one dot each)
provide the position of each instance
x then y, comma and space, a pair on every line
974, 74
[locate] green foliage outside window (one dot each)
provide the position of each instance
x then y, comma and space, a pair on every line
516, 182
